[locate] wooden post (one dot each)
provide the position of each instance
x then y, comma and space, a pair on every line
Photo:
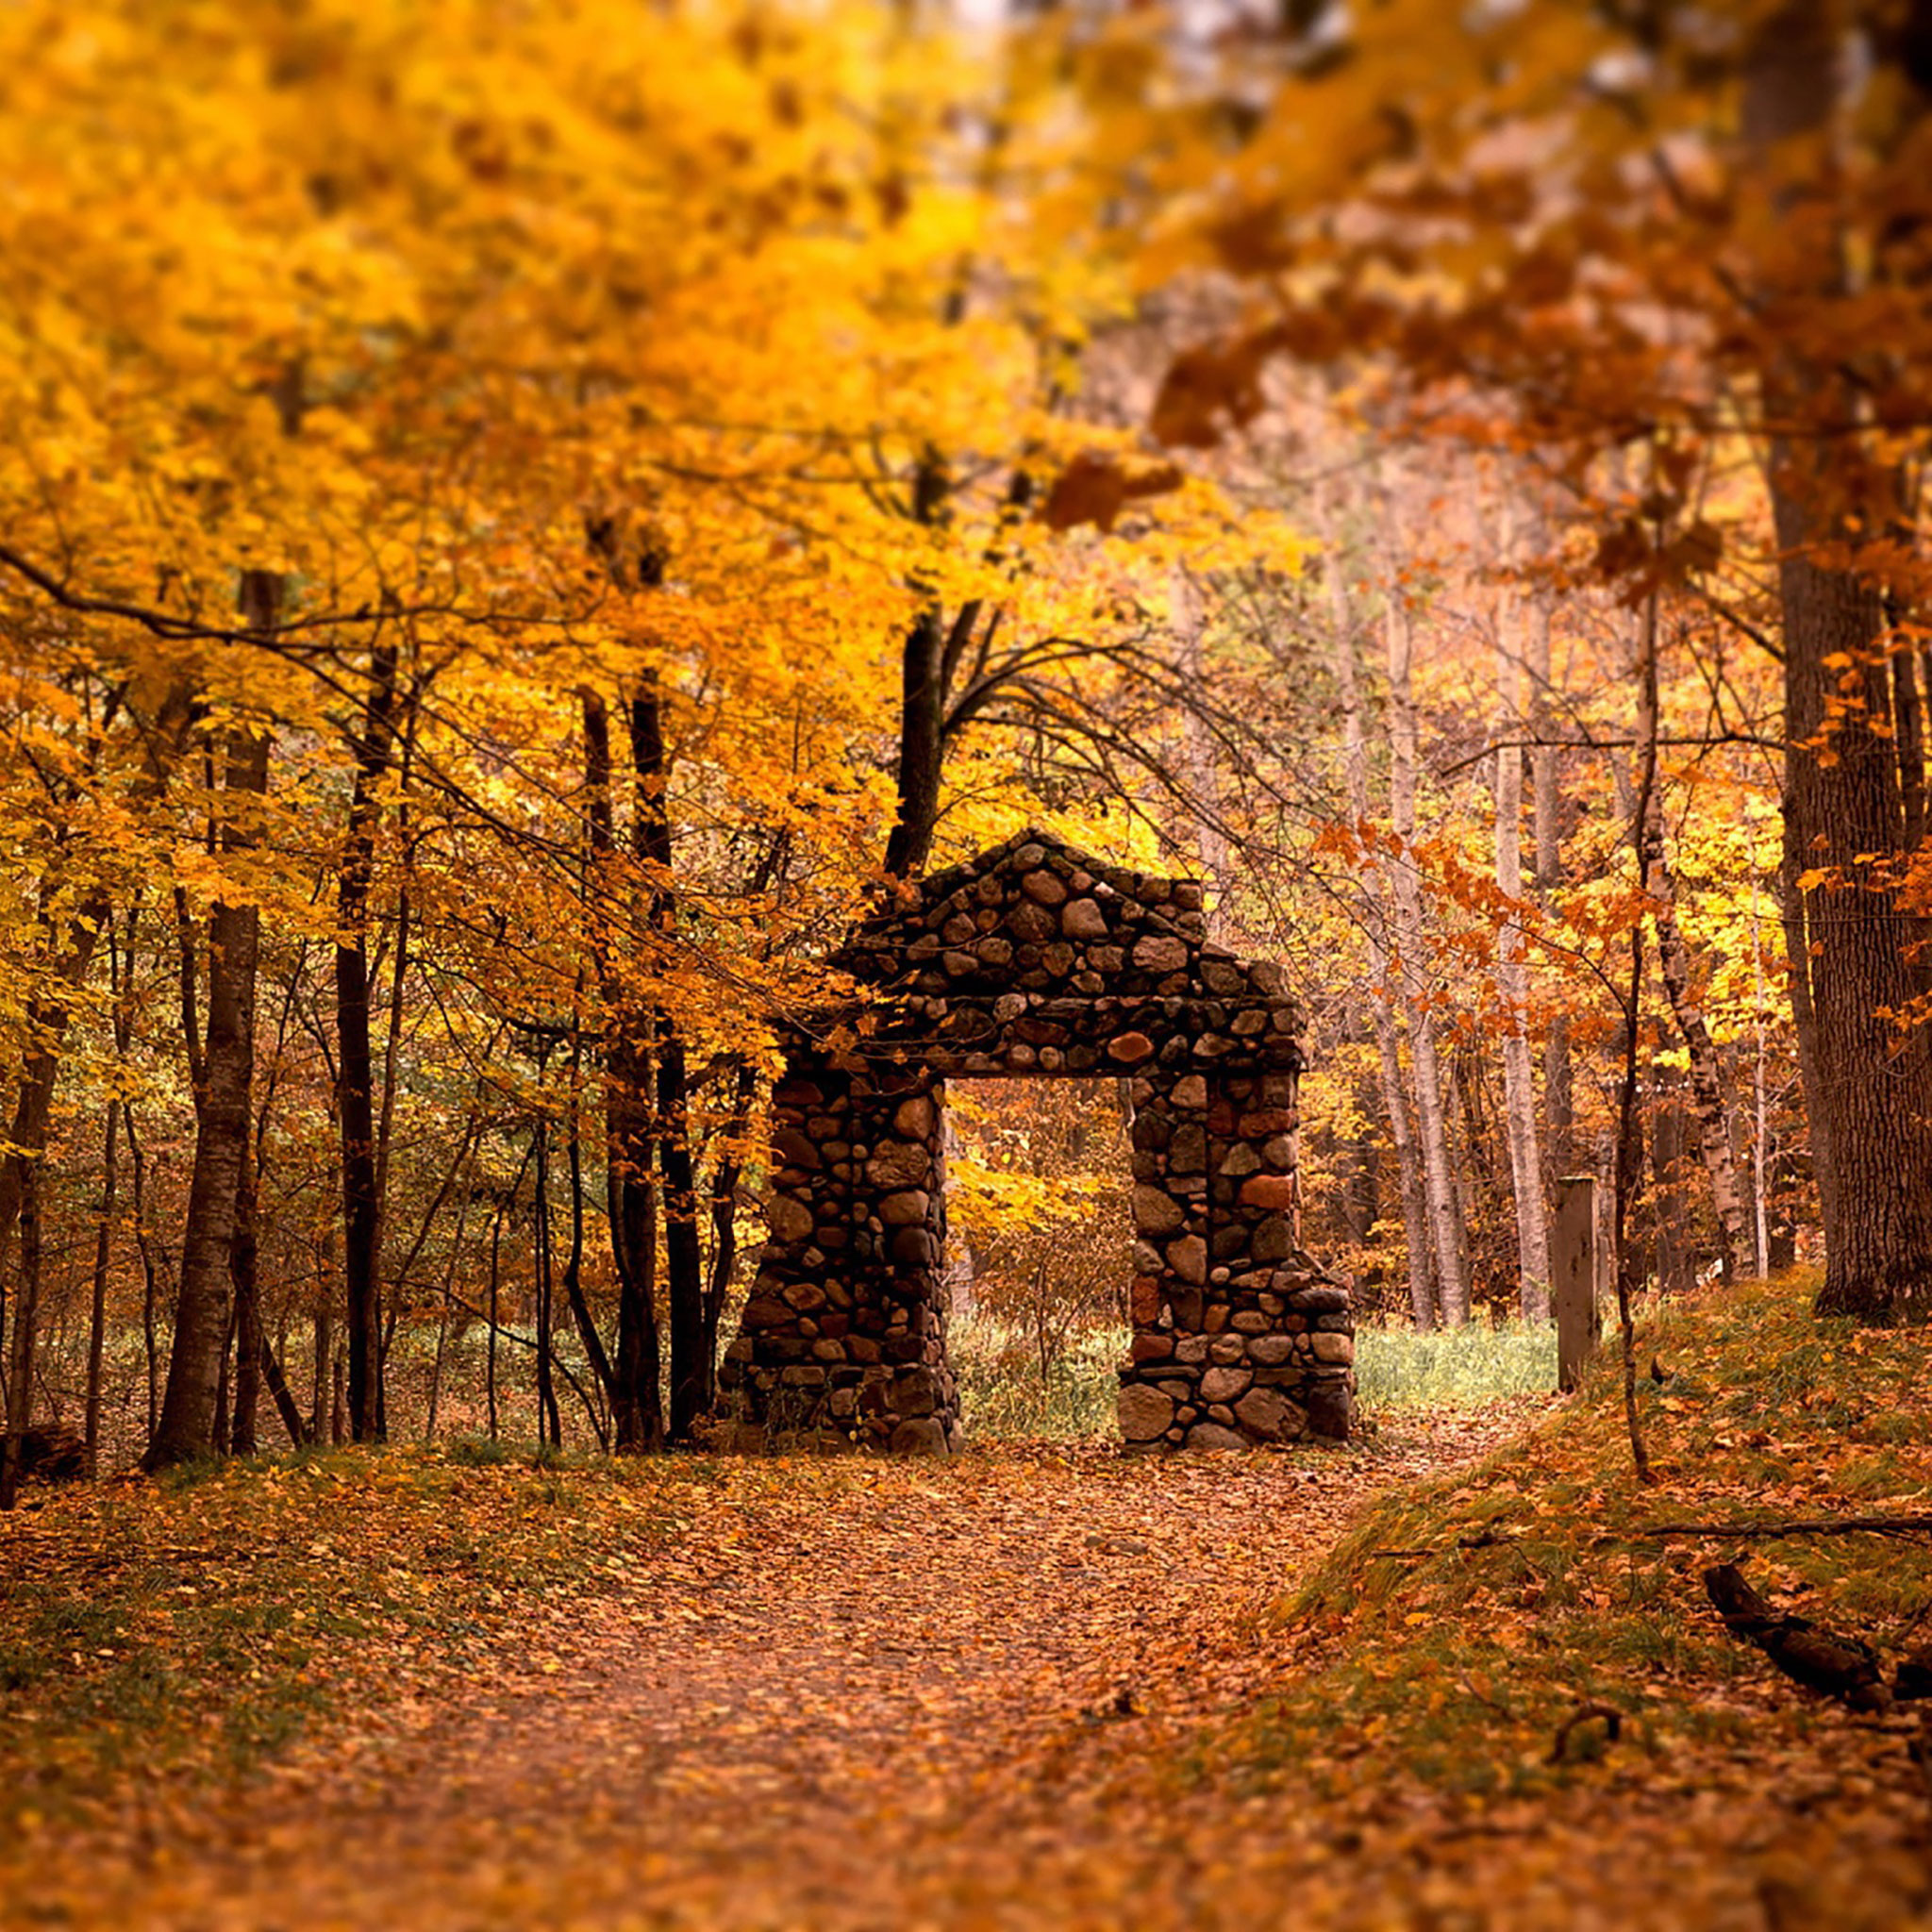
1577, 1267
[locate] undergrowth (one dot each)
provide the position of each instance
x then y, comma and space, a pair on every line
1396, 1368
1007, 1393
1463, 1621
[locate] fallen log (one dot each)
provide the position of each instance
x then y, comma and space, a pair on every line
1841, 1666
1910, 1524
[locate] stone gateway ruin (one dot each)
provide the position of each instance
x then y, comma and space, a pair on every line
1035, 960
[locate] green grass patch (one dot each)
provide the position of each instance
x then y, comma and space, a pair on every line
1453, 1630
1011, 1393
1452, 1368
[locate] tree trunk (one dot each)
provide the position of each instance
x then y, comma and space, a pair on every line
97, 1308
1512, 984
373, 747
1445, 1229
1868, 1081
636, 1415
1380, 991
691, 1375
549, 1421
27, 1311
245, 1276
1735, 1252
921, 704
222, 1113
1558, 1143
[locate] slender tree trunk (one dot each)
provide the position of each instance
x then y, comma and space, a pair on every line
1675, 1268
1707, 1091
222, 1113
549, 1421
321, 1424
372, 746
1446, 1231
922, 703
573, 1268
637, 1410
27, 1313
1512, 984
245, 1276
726, 1171
97, 1308
690, 1375
1374, 924
150, 1269
1546, 809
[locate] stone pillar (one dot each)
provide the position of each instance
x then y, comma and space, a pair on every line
1240, 1339
843, 1336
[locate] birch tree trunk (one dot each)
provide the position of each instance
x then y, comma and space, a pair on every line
1439, 1183
1512, 984
1547, 809
1375, 921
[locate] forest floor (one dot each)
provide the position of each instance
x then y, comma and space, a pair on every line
1036, 1687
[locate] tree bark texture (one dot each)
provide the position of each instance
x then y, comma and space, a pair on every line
1869, 1078
222, 1113
1512, 986
636, 1405
1438, 1181
372, 746
1380, 990
690, 1375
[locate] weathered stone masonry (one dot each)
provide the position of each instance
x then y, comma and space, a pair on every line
1037, 959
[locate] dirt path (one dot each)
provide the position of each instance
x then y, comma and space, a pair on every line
911, 1697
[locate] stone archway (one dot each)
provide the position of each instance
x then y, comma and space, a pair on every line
1035, 960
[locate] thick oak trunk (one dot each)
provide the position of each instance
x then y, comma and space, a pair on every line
1868, 1075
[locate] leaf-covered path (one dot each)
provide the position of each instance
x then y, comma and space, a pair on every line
866, 1696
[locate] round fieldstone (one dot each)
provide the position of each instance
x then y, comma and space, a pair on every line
904, 1164
921, 1436
1214, 1436
790, 1220
1188, 1258
1129, 1049
904, 1209
1223, 1384
1161, 953
1082, 919
1143, 1412
1156, 1212
1273, 1191
1268, 1413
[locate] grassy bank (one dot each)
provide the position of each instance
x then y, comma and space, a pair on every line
1395, 1368
1459, 1627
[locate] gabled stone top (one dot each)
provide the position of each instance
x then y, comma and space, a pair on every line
1035, 921
1179, 900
